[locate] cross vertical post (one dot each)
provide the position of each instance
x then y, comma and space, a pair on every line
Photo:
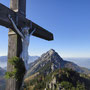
18, 13
14, 42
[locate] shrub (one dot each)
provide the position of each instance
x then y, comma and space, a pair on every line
18, 70
66, 85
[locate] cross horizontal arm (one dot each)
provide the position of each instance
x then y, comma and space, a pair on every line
41, 32
22, 21
4, 11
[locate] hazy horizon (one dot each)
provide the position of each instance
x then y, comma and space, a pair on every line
81, 61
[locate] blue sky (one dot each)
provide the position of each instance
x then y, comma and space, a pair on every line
68, 20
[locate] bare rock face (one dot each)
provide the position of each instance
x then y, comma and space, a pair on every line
50, 57
50, 61
51, 52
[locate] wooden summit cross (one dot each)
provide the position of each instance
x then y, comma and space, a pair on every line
18, 12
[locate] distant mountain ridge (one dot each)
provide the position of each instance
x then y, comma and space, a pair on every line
3, 60
53, 62
2, 79
81, 61
2, 71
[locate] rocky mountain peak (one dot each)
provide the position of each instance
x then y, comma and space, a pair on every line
50, 58
48, 53
51, 51
51, 61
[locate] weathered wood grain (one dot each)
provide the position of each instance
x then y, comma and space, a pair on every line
14, 48
18, 12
